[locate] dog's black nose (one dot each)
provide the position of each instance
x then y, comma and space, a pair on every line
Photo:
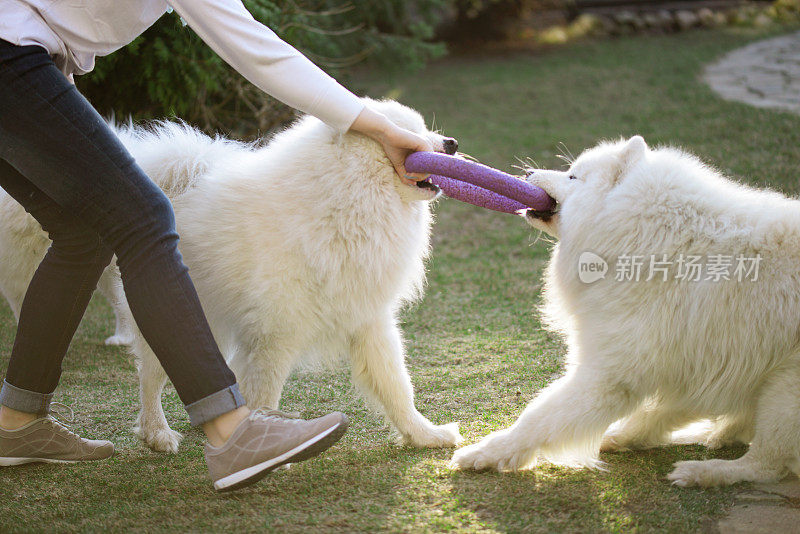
450, 146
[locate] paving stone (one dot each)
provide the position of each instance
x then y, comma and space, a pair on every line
686, 19
788, 487
760, 497
764, 74
766, 508
760, 519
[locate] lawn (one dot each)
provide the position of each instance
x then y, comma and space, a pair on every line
476, 351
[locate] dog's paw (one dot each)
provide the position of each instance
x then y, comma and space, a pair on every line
619, 442
119, 340
704, 473
718, 472
612, 443
720, 438
715, 442
435, 437
160, 439
493, 452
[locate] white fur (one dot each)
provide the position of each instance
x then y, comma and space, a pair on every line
303, 249
657, 355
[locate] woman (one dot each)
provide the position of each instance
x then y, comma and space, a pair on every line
59, 159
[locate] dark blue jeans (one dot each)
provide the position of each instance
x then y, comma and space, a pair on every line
61, 161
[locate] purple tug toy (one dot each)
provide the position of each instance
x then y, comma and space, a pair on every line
478, 184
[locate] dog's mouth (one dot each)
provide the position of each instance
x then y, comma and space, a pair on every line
545, 215
427, 184
428, 187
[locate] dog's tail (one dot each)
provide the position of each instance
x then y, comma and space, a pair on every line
174, 155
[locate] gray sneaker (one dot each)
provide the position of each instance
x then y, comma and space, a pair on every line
268, 439
47, 440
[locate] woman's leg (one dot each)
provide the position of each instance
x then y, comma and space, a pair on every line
53, 138
51, 311
56, 299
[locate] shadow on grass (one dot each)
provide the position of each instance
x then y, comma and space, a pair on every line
632, 493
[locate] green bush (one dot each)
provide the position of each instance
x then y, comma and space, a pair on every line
170, 71
493, 19
787, 11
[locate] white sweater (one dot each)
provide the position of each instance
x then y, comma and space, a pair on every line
75, 31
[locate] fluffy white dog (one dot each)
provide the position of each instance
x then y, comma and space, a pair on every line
301, 249
673, 344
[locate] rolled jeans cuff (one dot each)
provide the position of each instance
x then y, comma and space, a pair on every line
23, 400
214, 405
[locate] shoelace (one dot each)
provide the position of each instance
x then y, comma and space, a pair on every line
268, 412
60, 414
59, 420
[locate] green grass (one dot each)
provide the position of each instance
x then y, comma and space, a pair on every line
476, 350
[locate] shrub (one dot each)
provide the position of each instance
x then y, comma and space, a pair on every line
496, 19
785, 10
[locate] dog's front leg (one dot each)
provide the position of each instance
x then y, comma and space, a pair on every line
569, 416
378, 362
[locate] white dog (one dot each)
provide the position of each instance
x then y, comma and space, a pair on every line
657, 351
301, 249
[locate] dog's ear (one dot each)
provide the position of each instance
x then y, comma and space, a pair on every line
633, 151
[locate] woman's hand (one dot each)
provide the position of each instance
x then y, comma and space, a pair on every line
396, 141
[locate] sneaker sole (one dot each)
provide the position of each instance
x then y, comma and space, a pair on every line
9, 462
304, 451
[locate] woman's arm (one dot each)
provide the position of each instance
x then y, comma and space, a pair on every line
280, 70
271, 64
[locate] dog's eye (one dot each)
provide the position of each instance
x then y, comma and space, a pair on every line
573, 177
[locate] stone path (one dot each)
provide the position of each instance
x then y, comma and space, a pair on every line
764, 74
765, 509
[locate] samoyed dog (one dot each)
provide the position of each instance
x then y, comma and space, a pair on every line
301, 250
678, 293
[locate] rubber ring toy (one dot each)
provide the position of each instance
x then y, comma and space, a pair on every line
478, 184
